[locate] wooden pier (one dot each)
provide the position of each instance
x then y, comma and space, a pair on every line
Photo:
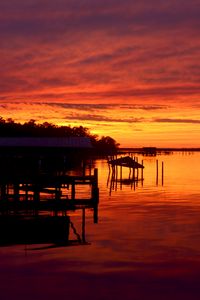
127, 162
46, 192
115, 175
34, 209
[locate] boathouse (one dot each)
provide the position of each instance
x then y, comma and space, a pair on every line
44, 143
37, 188
149, 151
127, 162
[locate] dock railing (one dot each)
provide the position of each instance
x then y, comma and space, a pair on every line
47, 193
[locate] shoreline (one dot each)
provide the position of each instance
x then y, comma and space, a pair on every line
140, 149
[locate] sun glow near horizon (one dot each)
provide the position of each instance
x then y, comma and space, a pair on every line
132, 125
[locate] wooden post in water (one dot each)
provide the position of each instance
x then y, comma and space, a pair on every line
109, 175
142, 173
120, 172
114, 170
121, 177
95, 189
83, 225
137, 170
162, 172
134, 183
157, 172
129, 173
116, 178
73, 191
133, 177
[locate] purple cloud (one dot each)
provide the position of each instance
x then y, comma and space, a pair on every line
171, 120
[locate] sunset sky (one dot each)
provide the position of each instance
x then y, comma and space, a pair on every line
125, 68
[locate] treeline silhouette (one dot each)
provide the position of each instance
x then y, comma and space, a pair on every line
9, 128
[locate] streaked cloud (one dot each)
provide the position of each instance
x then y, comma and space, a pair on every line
100, 106
95, 117
168, 120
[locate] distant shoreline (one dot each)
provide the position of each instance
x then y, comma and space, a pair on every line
141, 149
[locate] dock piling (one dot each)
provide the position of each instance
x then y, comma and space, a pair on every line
162, 172
157, 172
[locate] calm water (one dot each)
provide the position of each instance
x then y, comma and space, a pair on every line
146, 244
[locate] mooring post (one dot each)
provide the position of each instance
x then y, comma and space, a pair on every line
109, 166
129, 173
83, 225
162, 172
95, 189
157, 172
116, 177
73, 191
113, 176
133, 177
96, 177
109, 175
142, 173
120, 177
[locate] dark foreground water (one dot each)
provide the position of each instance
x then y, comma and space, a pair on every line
146, 244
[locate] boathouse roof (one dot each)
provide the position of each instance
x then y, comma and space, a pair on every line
126, 161
46, 142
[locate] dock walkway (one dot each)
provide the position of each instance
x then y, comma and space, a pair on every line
46, 192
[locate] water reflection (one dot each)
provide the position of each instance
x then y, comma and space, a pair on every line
114, 182
35, 207
42, 229
116, 172
146, 244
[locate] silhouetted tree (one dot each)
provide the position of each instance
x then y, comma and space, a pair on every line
107, 144
31, 129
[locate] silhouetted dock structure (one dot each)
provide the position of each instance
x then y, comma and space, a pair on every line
149, 151
41, 229
34, 203
126, 161
46, 192
41, 180
116, 176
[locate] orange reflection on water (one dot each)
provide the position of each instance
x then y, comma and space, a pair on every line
146, 244
156, 220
